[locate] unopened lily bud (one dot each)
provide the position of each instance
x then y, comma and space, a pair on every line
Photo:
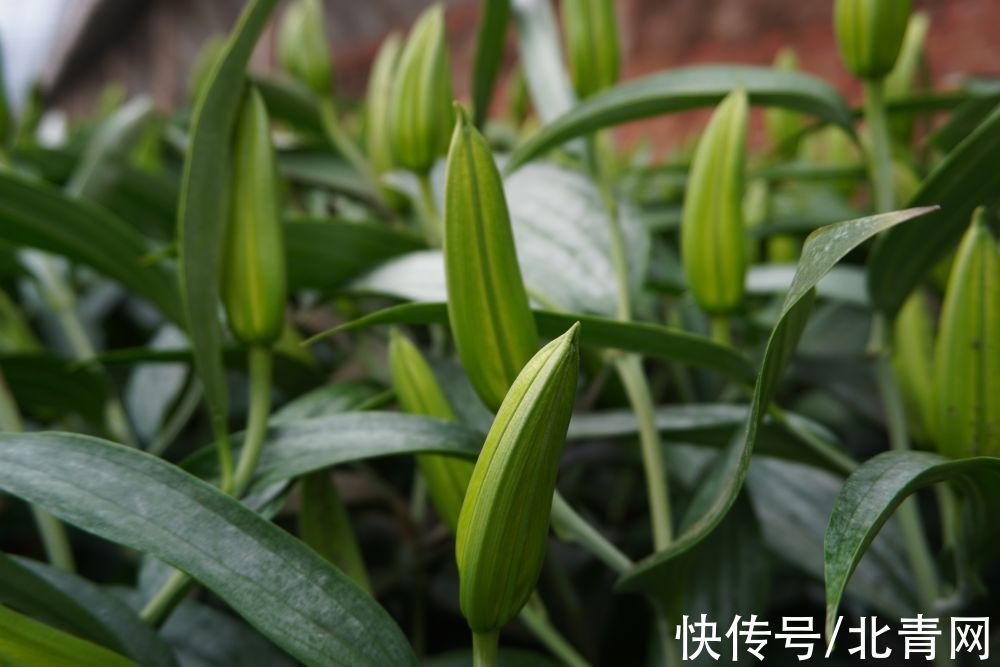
504, 525
870, 34
253, 271
902, 80
419, 393
377, 104
967, 356
913, 362
784, 127
302, 47
420, 113
488, 306
591, 44
713, 239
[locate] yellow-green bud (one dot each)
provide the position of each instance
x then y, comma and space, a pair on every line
784, 127
418, 393
504, 525
488, 306
967, 356
902, 80
420, 114
253, 271
303, 50
913, 362
713, 239
377, 104
870, 34
591, 44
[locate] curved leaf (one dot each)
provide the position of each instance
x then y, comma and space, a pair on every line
650, 340
687, 88
24, 641
967, 178
821, 252
276, 583
39, 216
204, 203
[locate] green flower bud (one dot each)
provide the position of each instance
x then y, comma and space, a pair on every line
488, 307
504, 525
253, 269
713, 240
870, 34
913, 362
420, 114
303, 50
967, 356
418, 393
902, 80
784, 127
592, 44
377, 104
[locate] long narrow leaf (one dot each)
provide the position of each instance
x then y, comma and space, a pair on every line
490, 41
24, 641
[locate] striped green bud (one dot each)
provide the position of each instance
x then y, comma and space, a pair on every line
504, 525
377, 104
967, 356
913, 362
713, 240
419, 393
488, 306
591, 44
870, 34
902, 80
303, 50
253, 269
420, 114
784, 127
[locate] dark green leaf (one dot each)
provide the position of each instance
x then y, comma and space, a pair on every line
280, 586
48, 387
687, 88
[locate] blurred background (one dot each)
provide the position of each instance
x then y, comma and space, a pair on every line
75, 48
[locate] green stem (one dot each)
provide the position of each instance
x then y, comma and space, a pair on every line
565, 519
484, 648
349, 150
880, 163
429, 217
537, 621
185, 409
260, 410
50, 529
721, 332
159, 607
917, 550
841, 460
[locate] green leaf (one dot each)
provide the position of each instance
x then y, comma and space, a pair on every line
687, 88
48, 388
36, 215
75, 605
651, 340
204, 203
875, 490
965, 179
26, 642
280, 586
821, 252
491, 38
290, 102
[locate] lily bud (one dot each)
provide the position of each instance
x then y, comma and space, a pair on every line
902, 80
713, 239
377, 104
504, 525
592, 44
488, 306
302, 47
253, 270
420, 114
870, 34
913, 362
419, 393
784, 127
967, 356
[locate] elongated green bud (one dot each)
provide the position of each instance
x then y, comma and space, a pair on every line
253, 271
870, 34
418, 393
591, 44
377, 104
420, 114
902, 80
504, 525
713, 240
303, 50
488, 307
967, 356
784, 127
913, 363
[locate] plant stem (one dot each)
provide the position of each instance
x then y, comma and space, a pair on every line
841, 460
537, 621
880, 163
566, 519
159, 607
50, 529
721, 333
484, 648
260, 409
187, 406
429, 217
349, 150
